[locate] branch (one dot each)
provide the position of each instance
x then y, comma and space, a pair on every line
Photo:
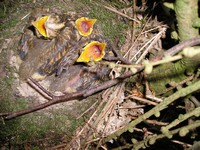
87, 92
67, 97
150, 140
186, 13
177, 48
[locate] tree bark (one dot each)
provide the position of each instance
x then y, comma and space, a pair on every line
186, 13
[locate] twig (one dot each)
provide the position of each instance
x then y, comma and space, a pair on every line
141, 144
153, 29
87, 110
40, 89
26, 16
149, 94
183, 117
176, 49
87, 92
120, 13
156, 137
195, 101
132, 46
67, 97
115, 11
134, 107
143, 100
110, 108
182, 143
155, 39
154, 122
178, 84
118, 56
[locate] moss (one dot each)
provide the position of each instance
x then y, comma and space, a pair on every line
9, 24
51, 125
7, 77
118, 4
109, 22
185, 18
11, 14
111, 27
171, 73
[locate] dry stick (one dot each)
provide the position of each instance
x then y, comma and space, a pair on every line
110, 101
178, 84
177, 48
26, 16
154, 29
133, 107
112, 107
40, 89
76, 95
134, 16
118, 56
81, 133
182, 143
143, 100
143, 47
175, 141
155, 39
195, 101
141, 143
86, 111
105, 85
106, 125
132, 46
120, 13
153, 122
116, 11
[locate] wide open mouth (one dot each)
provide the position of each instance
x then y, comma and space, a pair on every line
85, 25
39, 24
93, 51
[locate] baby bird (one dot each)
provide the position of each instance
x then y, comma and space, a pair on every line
52, 43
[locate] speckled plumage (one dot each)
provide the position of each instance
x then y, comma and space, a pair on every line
43, 57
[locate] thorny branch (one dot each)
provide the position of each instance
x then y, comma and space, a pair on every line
87, 92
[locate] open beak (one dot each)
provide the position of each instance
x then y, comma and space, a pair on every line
39, 24
94, 51
48, 26
85, 25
